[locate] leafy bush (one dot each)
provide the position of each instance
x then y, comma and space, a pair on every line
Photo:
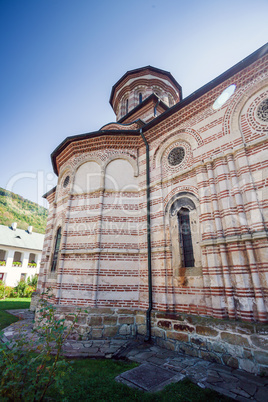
2, 263
2, 290
5, 291
21, 288
13, 293
8, 291
27, 366
32, 281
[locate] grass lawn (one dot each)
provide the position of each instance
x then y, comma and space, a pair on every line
93, 380
11, 304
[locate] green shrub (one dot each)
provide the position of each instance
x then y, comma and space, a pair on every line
5, 291
2, 263
32, 281
8, 291
27, 366
21, 288
2, 290
13, 293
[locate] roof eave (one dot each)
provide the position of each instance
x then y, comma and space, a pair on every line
137, 70
79, 137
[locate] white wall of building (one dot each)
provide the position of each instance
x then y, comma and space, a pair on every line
11, 273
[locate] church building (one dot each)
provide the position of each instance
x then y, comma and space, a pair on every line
158, 223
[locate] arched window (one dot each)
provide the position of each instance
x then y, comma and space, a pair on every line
140, 98
127, 106
56, 250
184, 231
185, 236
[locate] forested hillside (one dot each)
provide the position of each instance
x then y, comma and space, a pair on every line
14, 208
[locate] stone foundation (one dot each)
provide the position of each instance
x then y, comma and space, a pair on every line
232, 343
34, 301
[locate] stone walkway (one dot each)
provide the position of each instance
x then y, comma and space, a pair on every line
158, 367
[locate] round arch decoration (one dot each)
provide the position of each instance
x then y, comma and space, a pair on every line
188, 135
231, 120
126, 157
183, 191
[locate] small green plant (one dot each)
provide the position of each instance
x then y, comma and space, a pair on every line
2, 290
2, 263
32, 264
16, 263
32, 281
30, 365
21, 288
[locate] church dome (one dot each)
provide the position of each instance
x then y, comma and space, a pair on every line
130, 95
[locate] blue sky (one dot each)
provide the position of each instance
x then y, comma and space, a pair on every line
60, 59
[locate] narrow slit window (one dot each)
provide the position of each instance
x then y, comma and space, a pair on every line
140, 97
56, 251
127, 106
185, 235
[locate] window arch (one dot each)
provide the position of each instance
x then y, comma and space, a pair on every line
140, 97
185, 237
56, 250
183, 226
127, 106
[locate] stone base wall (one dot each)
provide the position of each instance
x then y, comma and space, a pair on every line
233, 343
34, 300
102, 323
236, 344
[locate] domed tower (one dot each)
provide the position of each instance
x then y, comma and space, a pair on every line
144, 93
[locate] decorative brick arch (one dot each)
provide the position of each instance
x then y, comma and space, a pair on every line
231, 120
87, 158
64, 171
128, 158
178, 192
60, 190
188, 135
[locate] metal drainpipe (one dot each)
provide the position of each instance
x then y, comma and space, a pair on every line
155, 108
150, 296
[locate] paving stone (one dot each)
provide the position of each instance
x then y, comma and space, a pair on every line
241, 392
220, 390
221, 369
213, 380
149, 377
261, 395
172, 367
158, 360
242, 399
247, 377
143, 356
248, 387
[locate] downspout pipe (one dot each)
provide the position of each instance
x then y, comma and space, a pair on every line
149, 250
155, 108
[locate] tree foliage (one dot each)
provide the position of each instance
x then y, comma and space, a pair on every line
14, 208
